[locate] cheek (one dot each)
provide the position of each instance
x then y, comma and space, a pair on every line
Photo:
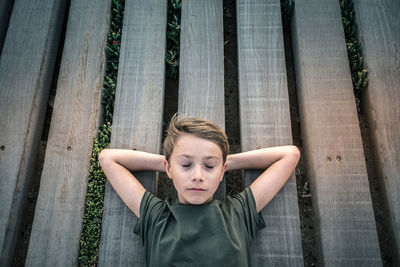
176, 173
169, 173
221, 174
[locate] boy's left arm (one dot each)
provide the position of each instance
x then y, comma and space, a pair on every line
279, 163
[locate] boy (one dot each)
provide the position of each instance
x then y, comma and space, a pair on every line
195, 229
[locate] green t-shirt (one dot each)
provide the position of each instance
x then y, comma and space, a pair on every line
218, 233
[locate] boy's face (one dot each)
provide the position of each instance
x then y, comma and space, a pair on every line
196, 169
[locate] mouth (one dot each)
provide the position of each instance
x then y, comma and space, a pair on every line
195, 189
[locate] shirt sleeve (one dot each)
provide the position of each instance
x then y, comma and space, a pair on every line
253, 220
150, 209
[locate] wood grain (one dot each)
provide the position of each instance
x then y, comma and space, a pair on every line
26, 69
265, 122
137, 121
60, 205
379, 30
331, 138
201, 70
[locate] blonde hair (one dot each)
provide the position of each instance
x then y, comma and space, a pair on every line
199, 127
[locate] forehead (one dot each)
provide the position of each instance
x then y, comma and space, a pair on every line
191, 146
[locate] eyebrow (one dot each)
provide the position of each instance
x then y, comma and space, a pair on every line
190, 157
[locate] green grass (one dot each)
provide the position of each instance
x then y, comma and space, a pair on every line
359, 74
173, 38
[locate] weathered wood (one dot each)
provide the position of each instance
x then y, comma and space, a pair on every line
331, 138
379, 29
201, 70
57, 224
26, 69
265, 122
5, 14
137, 121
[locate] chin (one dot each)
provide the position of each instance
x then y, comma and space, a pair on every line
200, 201
197, 201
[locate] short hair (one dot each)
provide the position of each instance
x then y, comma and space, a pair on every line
199, 127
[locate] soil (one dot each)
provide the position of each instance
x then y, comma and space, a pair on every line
235, 181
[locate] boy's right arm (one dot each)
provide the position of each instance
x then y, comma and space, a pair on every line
117, 163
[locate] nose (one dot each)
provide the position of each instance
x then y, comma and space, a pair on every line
197, 174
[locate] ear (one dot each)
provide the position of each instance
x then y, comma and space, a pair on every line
167, 168
225, 166
223, 170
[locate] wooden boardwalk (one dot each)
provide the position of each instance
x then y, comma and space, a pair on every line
379, 29
265, 121
137, 121
331, 138
26, 67
60, 204
332, 144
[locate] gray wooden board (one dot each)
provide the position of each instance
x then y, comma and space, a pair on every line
265, 122
379, 30
5, 14
137, 121
331, 138
26, 68
60, 205
201, 70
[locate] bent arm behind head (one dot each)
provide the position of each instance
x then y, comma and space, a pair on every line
117, 164
279, 163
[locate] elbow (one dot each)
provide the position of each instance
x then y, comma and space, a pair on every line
295, 153
103, 156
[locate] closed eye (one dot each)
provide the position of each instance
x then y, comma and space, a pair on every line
186, 165
209, 167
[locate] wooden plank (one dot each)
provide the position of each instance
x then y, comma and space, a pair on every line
331, 138
26, 69
5, 14
137, 121
201, 70
265, 122
379, 29
57, 224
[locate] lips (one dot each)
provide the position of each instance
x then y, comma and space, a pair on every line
197, 189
